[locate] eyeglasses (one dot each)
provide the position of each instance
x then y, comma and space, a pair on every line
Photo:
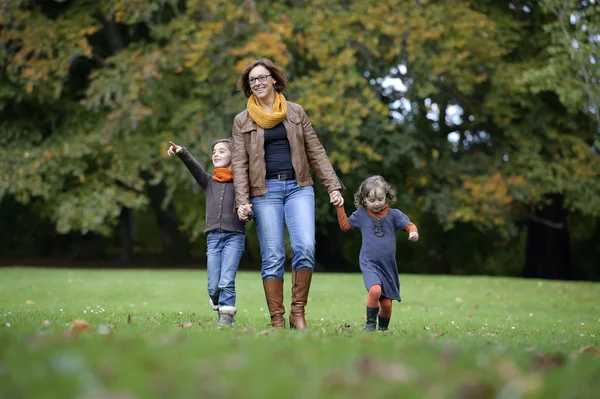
260, 78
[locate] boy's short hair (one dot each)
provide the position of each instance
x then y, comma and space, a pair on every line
228, 142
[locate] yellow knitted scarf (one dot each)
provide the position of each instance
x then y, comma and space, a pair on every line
264, 119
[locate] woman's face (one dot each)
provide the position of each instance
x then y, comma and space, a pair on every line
221, 156
263, 90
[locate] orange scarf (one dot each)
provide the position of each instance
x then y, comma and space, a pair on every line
379, 214
223, 175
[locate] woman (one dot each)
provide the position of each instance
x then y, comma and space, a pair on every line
274, 145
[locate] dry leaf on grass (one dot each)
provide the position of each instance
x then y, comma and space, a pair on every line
264, 332
590, 349
548, 360
30, 302
473, 389
79, 325
187, 325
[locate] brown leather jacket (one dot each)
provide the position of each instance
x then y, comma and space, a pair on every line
248, 157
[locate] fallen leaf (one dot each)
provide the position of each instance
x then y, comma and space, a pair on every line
187, 325
591, 349
437, 335
30, 302
79, 325
264, 332
548, 360
473, 389
470, 314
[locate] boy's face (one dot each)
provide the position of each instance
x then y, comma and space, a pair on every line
221, 156
375, 201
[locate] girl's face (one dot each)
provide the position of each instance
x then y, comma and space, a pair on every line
375, 200
263, 90
221, 156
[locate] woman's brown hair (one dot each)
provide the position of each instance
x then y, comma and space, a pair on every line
277, 74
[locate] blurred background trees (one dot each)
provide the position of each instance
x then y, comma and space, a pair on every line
483, 115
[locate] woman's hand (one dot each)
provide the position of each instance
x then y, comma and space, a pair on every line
243, 212
335, 197
413, 236
174, 149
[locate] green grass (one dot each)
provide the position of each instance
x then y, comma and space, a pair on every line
465, 337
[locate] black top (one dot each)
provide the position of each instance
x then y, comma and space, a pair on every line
221, 215
278, 157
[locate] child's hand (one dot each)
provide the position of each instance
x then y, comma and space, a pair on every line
413, 236
174, 149
243, 212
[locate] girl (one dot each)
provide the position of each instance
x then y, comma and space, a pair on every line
378, 225
225, 233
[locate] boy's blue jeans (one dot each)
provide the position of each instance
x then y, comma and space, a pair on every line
223, 255
285, 203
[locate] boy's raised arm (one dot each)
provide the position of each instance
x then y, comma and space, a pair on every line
200, 175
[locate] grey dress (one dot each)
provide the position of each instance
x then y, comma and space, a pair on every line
378, 251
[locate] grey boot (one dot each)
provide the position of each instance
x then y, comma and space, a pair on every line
227, 316
384, 322
214, 305
371, 319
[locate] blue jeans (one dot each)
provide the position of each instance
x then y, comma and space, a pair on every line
285, 202
223, 255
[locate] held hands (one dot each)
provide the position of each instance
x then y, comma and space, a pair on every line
335, 197
413, 236
174, 149
243, 212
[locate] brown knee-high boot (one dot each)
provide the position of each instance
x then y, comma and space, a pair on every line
274, 295
300, 287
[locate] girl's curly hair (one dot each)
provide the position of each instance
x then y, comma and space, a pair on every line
370, 184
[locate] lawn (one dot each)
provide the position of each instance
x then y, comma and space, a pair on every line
153, 335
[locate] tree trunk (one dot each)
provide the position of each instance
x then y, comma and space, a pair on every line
329, 250
548, 252
126, 234
174, 246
